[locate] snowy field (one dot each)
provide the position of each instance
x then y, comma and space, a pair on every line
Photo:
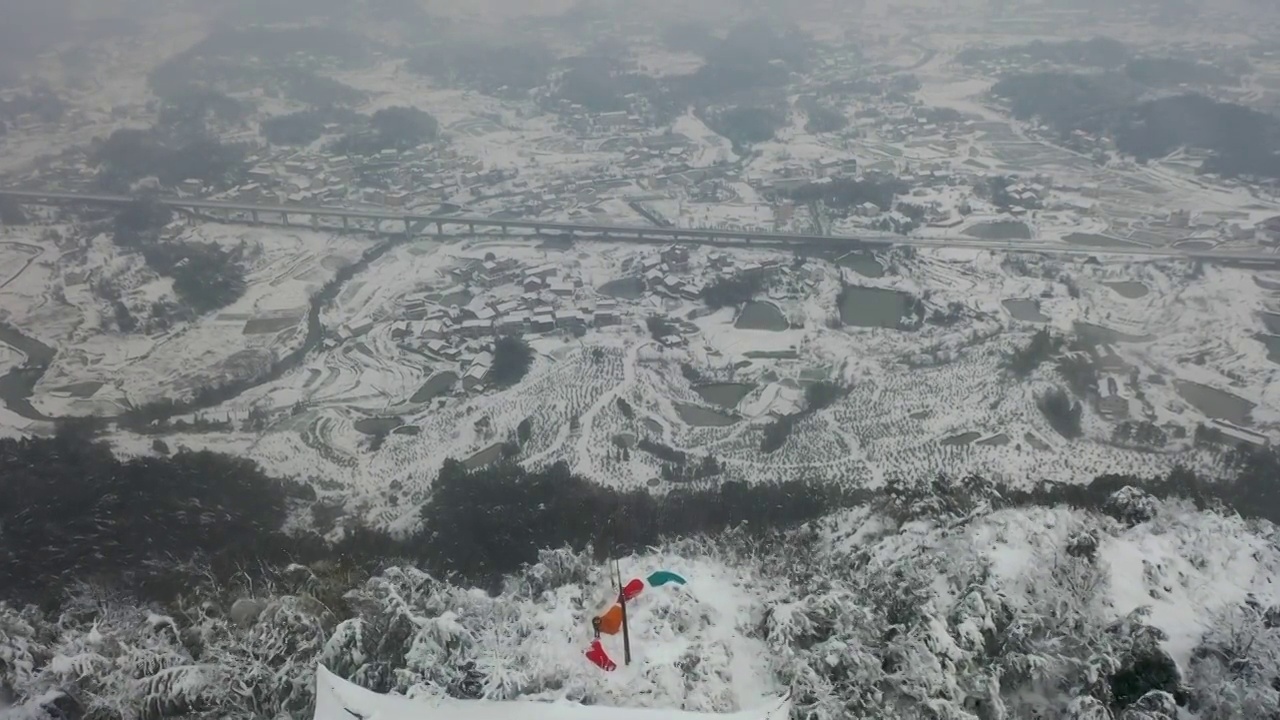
54, 300
963, 598
922, 401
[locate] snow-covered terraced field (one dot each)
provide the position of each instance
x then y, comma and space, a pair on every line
920, 402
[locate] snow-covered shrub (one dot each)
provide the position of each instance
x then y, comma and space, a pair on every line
1155, 705
1144, 666
1082, 544
557, 568
1235, 672
1131, 505
1087, 708
942, 498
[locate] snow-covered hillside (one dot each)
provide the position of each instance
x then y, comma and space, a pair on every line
1037, 612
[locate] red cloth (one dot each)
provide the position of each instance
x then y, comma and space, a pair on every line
597, 655
632, 590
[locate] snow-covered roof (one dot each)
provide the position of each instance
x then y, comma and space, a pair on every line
337, 699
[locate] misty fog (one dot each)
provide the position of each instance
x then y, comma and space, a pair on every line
776, 360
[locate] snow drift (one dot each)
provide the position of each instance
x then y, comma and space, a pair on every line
337, 699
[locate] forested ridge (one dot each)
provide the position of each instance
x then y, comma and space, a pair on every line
1243, 141
156, 587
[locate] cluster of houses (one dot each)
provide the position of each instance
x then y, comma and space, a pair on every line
428, 174
497, 297
549, 300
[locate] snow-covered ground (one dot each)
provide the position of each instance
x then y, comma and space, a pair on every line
921, 402
1069, 595
54, 299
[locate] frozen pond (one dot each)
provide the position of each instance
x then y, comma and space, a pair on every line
1273, 346
1002, 230
865, 264
1216, 403
487, 456
1099, 334
724, 394
1025, 310
1129, 289
761, 316
17, 385
699, 416
436, 385
872, 307
377, 425
962, 438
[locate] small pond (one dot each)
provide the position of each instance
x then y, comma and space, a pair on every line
1272, 322
873, 307
724, 394
1090, 332
962, 438
81, 389
407, 430
377, 425
761, 316
1002, 230
487, 456
1216, 403
1273, 346
268, 325
436, 385
995, 441
1025, 310
17, 385
1128, 289
1035, 441
1265, 284
699, 416
37, 352
865, 264
623, 288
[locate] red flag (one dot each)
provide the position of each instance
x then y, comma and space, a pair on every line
632, 590
597, 655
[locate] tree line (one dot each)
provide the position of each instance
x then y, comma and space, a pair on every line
71, 511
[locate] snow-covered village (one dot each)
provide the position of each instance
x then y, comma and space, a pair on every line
809, 360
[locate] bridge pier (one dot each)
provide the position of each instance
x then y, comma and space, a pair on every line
505, 230
440, 228
253, 215
472, 228
284, 218
346, 223
315, 221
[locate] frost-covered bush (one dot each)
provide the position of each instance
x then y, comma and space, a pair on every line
1131, 505
858, 615
1236, 668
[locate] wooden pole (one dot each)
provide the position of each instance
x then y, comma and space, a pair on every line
622, 602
